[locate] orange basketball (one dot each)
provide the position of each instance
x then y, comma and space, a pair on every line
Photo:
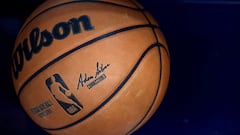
90, 67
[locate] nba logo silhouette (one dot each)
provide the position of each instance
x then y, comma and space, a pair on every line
63, 95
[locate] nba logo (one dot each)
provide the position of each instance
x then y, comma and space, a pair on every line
63, 95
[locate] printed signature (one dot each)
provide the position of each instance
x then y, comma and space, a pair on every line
84, 78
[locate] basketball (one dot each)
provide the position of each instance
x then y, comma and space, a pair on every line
90, 67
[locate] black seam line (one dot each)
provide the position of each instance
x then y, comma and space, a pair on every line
77, 48
113, 94
166, 50
157, 91
155, 97
77, 1
149, 22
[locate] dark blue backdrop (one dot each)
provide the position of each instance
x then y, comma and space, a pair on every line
203, 97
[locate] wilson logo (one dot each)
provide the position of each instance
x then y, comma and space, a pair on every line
38, 39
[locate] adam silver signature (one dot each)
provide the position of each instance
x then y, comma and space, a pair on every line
92, 80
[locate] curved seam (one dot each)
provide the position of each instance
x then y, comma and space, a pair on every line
112, 95
76, 49
72, 2
160, 76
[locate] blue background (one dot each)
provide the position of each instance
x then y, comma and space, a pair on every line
203, 96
